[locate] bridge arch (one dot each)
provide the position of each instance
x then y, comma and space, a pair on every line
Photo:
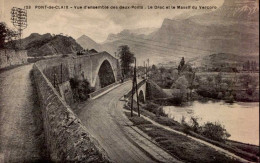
105, 75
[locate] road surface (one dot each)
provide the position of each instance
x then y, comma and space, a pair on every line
104, 119
19, 141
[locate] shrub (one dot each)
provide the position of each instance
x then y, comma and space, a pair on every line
178, 97
250, 91
186, 127
195, 125
154, 108
220, 95
215, 131
80, 89
207, 91
176, 100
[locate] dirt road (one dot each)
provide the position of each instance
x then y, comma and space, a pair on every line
103, 118
20, 139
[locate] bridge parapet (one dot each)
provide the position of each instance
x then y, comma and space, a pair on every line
141, 87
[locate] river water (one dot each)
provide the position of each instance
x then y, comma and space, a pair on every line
241, 120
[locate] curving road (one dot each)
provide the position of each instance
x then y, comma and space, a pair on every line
18, 139
104, 119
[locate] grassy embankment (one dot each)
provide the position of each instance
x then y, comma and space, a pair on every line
185, 148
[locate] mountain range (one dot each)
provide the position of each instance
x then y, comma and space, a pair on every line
231, 29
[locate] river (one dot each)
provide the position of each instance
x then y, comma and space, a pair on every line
240, 119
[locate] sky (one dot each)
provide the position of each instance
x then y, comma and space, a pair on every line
98, 23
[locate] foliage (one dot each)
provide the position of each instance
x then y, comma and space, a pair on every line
195, 124
177, 99
182, 62
207, 91
126, 58
6, 34
215, 131
247, 80
243, 96
154, 108
81, 89
186, 127
154, 68
209, 79
218, 79
247, 66
162, 69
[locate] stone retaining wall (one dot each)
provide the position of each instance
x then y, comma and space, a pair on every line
66, 138
9, 57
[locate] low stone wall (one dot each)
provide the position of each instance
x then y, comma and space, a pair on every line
101, 90
128, 95
66, 138
9, 57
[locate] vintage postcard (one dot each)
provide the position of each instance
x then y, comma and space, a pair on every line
129, 81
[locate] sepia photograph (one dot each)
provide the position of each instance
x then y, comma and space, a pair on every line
129, 81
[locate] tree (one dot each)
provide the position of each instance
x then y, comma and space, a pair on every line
154, 68
182, 84
249, 83
182, 63
126, 58
3, 34
6, 34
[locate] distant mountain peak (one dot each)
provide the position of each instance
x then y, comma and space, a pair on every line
86, 37
87, 43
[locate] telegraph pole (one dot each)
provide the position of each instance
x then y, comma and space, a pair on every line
19, 20
135, 90
148, 67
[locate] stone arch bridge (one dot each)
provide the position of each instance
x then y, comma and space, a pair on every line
100, 69
142, 92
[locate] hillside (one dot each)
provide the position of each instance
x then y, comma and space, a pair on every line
46, 44
221, 60
232, 28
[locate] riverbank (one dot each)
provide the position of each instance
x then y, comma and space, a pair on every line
229, 115
246, 151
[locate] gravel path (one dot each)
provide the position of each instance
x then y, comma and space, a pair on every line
18, 131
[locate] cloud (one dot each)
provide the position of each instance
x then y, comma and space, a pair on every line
97, 24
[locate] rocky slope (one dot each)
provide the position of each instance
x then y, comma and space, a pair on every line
46, 44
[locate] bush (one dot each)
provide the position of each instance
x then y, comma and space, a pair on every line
178, 97
220, 95
195, 125
186, 127
177, 100
207, 91
215, 131
154, 108
81, 89
243, 96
